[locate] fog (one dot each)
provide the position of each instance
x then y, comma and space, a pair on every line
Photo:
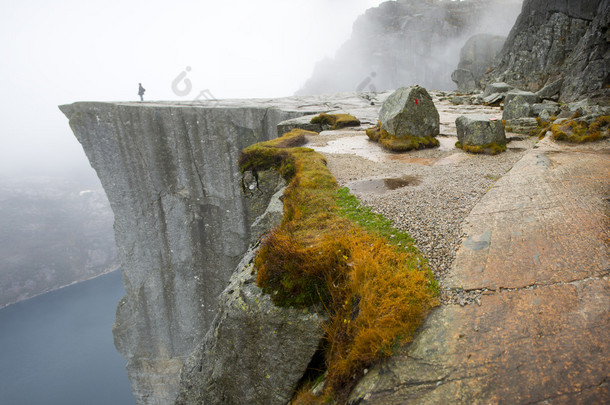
57, 52
410, 42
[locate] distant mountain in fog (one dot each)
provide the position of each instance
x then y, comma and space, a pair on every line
53, 232
407, 42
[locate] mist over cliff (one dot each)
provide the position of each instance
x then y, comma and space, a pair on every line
406, 42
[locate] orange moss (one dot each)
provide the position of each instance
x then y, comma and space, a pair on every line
330, 253
578, 131
336, 121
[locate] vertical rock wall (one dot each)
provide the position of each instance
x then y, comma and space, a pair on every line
554, 39
170, 173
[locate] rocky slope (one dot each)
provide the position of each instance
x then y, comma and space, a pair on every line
555, 40
407, 42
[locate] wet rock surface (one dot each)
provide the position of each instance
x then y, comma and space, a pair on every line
450, 181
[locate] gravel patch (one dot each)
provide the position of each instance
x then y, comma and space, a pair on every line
450, 183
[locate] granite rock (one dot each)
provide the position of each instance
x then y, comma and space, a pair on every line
410, 111
479, 130
476, 57
517, 107
255, 352
181, 221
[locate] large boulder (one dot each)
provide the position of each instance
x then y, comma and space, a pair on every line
410, 111
480, 134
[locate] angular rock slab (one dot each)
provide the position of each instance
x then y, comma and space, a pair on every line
496, 88
255, 352
537, 261
516, 108
479, 130
410, 111
526, 97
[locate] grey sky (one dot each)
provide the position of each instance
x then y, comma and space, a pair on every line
61, 51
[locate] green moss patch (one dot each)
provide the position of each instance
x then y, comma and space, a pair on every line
400, 144
489, 149
335, 121
332, 253
578, 131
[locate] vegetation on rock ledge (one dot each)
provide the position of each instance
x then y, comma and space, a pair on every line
489, 149
335, 121
577, 131
332, 253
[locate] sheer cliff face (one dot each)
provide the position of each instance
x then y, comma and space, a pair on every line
407, 42
170, 173
558, 39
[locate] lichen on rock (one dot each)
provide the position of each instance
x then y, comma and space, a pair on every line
479, 134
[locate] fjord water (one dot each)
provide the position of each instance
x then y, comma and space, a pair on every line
58, 348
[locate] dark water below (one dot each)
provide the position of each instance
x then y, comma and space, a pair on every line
58, 348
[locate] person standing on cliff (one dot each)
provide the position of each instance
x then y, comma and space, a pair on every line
141, 91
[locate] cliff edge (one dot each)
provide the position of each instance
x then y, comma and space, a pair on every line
181, 221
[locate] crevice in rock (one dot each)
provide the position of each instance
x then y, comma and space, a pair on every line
465, 297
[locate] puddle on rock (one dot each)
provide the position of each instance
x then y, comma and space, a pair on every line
380, 186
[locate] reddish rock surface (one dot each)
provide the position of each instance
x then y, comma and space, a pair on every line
533, 274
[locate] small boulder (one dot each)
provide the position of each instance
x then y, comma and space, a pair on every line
550, 91
527, 96
480, 134
525, 126
410, 111
335, 121
493, 99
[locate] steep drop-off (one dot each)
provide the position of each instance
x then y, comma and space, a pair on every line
170, 172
